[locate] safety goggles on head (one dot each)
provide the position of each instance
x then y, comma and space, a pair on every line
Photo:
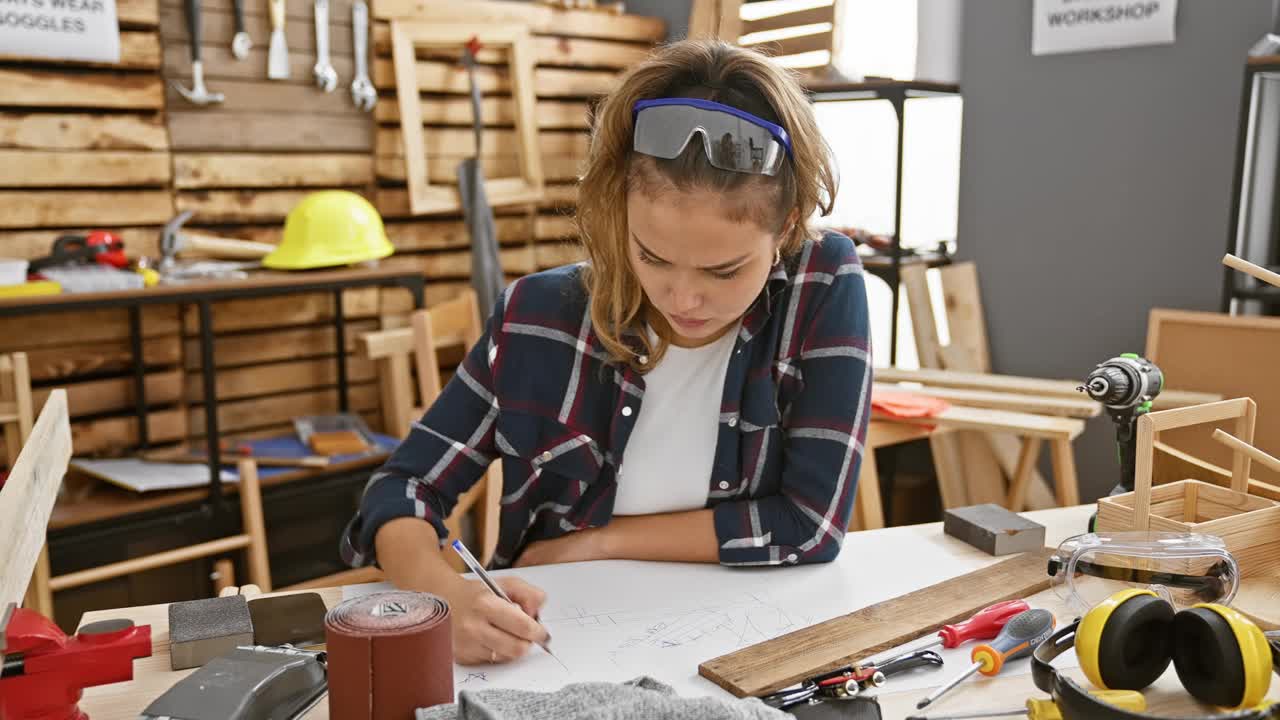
733, 139
1184, 569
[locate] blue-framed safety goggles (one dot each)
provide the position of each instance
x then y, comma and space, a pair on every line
733, 139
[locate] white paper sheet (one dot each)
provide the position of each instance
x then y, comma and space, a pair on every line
615, 620
146, 476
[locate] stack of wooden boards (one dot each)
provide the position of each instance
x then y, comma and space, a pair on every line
84, 144
89, 146
995, 429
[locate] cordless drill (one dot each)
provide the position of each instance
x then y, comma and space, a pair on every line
1125, 386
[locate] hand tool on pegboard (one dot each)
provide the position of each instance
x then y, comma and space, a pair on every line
326, 76
278, 51
45, 671
198, 94
363, 93
240, 42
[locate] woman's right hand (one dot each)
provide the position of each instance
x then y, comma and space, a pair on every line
488, 629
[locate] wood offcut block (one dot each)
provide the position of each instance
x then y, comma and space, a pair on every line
993, 529
338, 442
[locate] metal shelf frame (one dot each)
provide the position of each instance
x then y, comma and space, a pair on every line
896, 93
203, 295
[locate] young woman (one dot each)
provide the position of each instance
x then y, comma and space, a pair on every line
697, 391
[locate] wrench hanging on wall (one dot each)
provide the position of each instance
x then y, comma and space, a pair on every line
326, 76
363, 93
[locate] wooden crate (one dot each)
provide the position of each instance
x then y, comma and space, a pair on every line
1248, 524
1188, 347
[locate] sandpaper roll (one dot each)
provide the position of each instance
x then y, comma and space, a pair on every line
389, 654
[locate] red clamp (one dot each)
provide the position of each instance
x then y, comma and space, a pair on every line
474, 45
45, 672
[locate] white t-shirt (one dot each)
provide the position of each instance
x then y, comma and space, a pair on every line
667, 467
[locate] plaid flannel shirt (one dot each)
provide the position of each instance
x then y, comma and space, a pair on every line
540, 393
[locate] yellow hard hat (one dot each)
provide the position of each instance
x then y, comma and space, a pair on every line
327, 229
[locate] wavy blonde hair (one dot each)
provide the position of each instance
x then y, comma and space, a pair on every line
781, 204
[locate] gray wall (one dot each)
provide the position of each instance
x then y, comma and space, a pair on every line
1096, 186
675, 12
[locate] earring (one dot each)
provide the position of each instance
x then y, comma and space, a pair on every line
777, 256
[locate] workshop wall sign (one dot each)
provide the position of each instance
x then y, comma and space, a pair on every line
60, 29
1066, 26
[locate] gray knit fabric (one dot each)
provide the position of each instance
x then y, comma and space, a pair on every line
641, 699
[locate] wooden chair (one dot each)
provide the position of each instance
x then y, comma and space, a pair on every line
252, 539
447, 324
17, 416
16, 412
395, 351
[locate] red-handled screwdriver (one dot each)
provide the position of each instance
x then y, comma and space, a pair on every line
1018, 638
984, 625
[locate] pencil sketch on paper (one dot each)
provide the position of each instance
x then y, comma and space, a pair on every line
733, 622
617, 645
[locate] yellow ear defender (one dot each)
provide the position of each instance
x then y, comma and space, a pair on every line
1127, 641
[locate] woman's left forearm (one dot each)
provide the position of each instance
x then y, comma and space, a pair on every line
672, 537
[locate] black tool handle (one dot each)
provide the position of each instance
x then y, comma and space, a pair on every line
1126, 449
193, 28
911, 661
66, 249
239, 6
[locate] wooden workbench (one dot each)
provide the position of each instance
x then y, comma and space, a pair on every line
124, 701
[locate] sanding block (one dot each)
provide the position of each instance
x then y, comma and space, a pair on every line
993, 529
201, 630
296, 619
248, 683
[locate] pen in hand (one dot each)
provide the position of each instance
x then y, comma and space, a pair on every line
476, 568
